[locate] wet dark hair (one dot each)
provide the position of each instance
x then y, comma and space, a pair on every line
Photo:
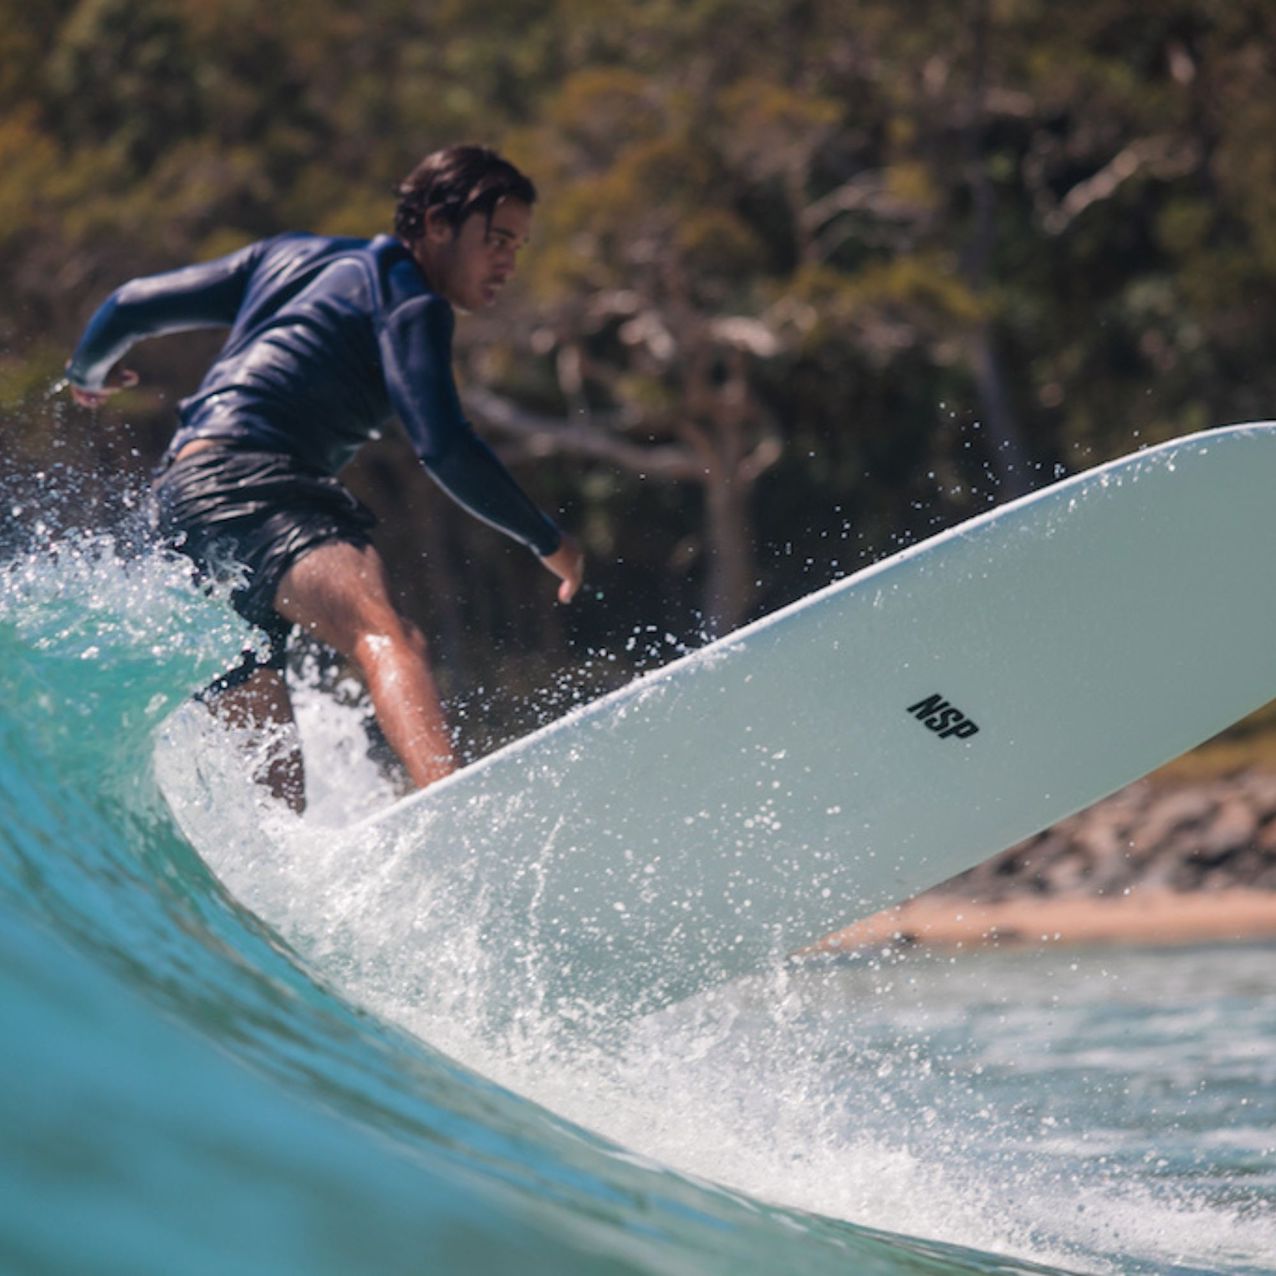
458, 182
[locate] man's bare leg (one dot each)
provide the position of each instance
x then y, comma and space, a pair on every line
262, 703
341, 594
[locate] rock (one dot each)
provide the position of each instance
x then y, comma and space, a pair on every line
1205, 836
1173, 815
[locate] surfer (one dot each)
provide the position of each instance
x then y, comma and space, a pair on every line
328, 339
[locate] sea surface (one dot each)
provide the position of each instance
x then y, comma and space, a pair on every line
198, 1076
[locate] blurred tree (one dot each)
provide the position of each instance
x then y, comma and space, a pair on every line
810, 277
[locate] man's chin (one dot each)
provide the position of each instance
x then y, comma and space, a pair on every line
472, 305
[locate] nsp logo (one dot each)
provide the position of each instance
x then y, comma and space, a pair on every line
943, 718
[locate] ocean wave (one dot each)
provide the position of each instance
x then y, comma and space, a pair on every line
206, 1070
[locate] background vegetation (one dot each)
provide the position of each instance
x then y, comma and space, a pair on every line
810, 278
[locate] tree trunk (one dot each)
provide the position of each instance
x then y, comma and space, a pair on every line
1001, 429
1009, 457
729, 581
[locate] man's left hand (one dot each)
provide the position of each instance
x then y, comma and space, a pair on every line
117, 381
567, 562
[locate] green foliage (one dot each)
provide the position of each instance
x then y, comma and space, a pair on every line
122, 77
798, 224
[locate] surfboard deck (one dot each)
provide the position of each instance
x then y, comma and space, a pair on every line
862, 744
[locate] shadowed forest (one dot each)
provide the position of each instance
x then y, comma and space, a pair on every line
810, 279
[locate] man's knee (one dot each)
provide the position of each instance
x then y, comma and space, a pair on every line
386, 635
415, 639
408, 635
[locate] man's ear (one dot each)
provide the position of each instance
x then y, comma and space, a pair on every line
437, 228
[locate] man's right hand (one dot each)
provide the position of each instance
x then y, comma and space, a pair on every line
119, 380
567, 562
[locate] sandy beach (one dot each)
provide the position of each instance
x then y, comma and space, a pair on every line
1153, 916
1164, 861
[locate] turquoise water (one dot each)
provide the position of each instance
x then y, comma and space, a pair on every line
198, 1075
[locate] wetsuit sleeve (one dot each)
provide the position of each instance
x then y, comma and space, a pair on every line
416, 352
203, 296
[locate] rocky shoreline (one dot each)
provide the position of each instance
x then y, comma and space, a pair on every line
1160, 861
1209, 835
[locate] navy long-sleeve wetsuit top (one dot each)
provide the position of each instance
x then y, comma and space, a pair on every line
329, 339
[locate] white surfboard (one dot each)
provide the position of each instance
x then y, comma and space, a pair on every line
860, 745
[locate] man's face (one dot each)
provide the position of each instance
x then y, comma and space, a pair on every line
470, 265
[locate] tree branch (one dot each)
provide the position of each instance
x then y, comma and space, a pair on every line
1161, 156
596, 437
865, 192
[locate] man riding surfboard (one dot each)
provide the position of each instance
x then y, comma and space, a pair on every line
330, 337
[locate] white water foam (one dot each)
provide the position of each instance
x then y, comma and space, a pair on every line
768, 1087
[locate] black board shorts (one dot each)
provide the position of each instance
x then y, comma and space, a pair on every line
246, 517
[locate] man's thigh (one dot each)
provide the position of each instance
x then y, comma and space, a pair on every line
249, 517
339, 592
